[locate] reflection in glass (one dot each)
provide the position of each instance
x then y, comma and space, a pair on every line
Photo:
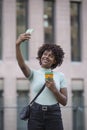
1, 105
75, 32
78, 110
49, 21
22, 19
22, 100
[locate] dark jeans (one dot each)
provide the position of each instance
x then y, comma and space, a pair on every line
45, 117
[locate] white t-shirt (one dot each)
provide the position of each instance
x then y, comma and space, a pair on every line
37, 79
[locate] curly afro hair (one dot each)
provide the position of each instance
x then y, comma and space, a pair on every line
56, 50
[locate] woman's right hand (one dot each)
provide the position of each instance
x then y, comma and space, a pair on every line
22, 38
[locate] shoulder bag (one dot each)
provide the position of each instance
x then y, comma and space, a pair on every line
25, 112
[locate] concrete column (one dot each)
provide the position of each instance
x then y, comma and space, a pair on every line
36, 22
62, 23
10, 111
9, 36
62, 34
9, 29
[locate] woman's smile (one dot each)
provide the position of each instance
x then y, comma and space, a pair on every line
45, 60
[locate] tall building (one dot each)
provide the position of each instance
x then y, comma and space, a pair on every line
60, 22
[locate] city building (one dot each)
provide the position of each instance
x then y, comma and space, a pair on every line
56, 22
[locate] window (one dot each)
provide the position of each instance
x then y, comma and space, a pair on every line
75, 31
22, 100
1, 110
78, 104
1, 106
0, 29
48, 21
22, 23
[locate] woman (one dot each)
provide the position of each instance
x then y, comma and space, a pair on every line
45, 112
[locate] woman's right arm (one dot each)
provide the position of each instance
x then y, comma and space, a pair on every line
25, 69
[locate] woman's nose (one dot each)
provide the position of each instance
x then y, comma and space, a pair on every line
47, 56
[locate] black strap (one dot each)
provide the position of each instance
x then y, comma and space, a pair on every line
37, 95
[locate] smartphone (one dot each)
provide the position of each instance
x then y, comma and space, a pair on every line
49, 75
29, 31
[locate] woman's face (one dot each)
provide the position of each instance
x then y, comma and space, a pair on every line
47, 59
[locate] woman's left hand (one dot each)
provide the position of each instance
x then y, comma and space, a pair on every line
50, 84
61, 95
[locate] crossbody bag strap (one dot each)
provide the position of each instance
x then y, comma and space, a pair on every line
37, 95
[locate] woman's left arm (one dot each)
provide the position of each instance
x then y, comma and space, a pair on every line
61, 95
